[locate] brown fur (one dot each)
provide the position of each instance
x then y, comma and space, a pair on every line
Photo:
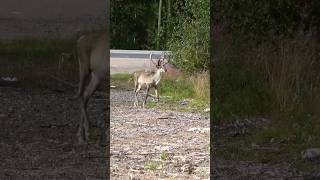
93, 53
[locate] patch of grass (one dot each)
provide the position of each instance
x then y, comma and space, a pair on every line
121, 76
201, 86
122, 80
164, 156
195, 90
279, 141
177, 89
33, 60
36, 48
152, 104
152, 165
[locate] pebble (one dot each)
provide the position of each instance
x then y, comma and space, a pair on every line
311, 153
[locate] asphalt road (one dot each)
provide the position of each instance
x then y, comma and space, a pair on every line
128, 61
128, 65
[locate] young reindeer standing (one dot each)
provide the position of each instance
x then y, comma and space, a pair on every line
93, 51
149, 79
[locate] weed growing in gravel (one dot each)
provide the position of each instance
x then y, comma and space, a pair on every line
152, 165
164, 156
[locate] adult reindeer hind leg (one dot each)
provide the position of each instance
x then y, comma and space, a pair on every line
92, 54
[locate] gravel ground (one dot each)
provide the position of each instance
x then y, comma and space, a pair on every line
38, 136
140, 136
38, 141
226, 170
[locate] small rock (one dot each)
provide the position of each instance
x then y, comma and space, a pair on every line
164, 148
207, 110
202, 130
313, 175
187, 168
311, 153
183, 102
9, 79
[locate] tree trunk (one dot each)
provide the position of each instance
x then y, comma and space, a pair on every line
159, 23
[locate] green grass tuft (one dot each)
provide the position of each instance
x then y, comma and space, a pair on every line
152, 165
164, 156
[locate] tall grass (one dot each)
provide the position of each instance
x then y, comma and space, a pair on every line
271, 78
196, 86
279, 80
291, 70
201, 85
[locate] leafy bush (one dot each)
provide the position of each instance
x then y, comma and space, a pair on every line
189, 40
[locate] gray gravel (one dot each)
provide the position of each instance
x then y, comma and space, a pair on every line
38, 136
140, 136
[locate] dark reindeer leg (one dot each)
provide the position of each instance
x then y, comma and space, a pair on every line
84, 71
93, 84
145, 100
80, 134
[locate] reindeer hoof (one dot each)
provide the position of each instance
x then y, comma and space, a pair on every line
135, 104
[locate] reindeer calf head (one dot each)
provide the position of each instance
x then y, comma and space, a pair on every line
160, 65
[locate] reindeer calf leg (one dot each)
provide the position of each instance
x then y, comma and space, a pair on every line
145, 100
136, 102
80, 132
157, 95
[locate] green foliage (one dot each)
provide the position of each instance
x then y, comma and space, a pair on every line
184, 29
239, 87
189, 40
265, 20
264, 64
133, 24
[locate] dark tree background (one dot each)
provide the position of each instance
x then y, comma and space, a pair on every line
184, 29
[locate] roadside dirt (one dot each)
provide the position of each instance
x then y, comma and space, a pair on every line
140, 137
236, 169
37, 141
38, 136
